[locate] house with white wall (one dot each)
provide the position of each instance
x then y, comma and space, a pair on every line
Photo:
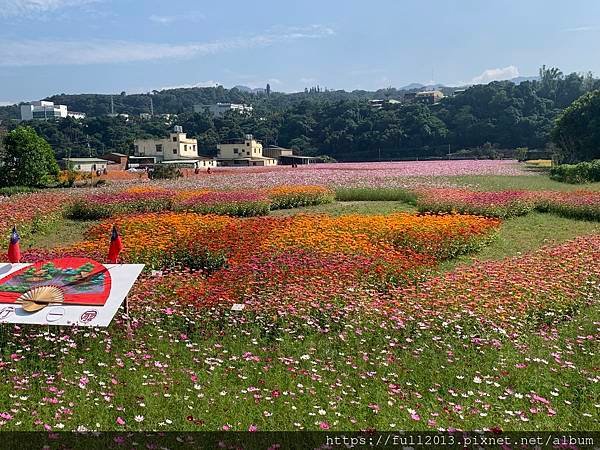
177, 148
243, 152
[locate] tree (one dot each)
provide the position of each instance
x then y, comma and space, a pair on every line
577, 130
27, 159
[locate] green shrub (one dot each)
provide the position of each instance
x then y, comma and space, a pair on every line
12, 190
584, 172
83, 210
164, 172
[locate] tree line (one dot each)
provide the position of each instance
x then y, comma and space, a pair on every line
339, 124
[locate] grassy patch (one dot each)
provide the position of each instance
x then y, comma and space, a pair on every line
63, 232
526, 233
375, 194
350, 207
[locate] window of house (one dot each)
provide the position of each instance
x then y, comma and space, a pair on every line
247, 144
174, 138
235, 150
185, 147
174, 151
159, 148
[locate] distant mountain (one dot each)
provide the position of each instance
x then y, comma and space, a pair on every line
412, 86
419, 86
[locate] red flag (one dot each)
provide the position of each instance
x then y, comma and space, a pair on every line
14, 250
115, 246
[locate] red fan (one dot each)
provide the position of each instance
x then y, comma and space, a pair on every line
82, 281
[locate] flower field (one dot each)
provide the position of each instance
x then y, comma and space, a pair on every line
350, 321
380, 174
241, 203
495, 204
577, 204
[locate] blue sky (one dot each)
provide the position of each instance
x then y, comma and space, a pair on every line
77, 46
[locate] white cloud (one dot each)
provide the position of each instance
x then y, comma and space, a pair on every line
10, 8
48, 52
489, 75
308, 80
580, 29
188, 17
209, 83
8, 103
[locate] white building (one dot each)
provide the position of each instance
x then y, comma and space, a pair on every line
76, 115
43, 110
220, 109
243, 152
84, 164
379, 104
177, 148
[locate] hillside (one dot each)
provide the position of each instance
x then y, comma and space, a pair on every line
340, 124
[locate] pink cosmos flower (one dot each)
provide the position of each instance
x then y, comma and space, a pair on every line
324, 426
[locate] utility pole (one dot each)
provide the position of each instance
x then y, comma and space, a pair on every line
448, 151
112, 106
151, 107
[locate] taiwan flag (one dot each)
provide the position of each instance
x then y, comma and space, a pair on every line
115, 246
14, 250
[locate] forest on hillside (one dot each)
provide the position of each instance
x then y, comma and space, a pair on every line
339, 124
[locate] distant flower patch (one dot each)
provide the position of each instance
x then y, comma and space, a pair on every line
492, 204
576, 205
240, 204
285, 197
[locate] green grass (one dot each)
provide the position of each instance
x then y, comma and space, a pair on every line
520, 182
62, 233
349, 207
523, 234
375, 194
206, 376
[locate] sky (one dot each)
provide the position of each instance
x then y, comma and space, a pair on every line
107, 46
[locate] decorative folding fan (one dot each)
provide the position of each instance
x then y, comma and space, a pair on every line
38, 298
